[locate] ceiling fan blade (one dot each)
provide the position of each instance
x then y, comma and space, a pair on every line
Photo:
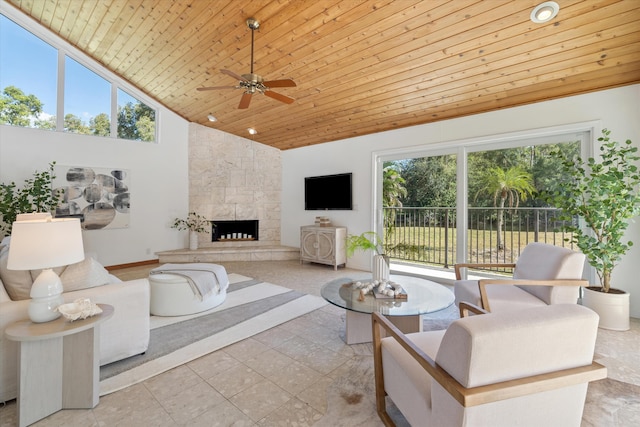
245, 100
280, 83
216, 87
234, 75
279, 97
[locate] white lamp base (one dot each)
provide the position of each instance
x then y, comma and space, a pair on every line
46, 296
43, 309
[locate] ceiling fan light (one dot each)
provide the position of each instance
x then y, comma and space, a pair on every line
252, 131
212, 118
545, 12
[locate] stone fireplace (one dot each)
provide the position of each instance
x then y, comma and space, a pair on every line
235, 231
234, 180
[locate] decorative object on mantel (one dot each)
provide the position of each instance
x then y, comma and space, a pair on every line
380, 289
605, 196
195, 223
370, 241
79, 309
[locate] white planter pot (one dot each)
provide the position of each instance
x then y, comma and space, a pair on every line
613, 308
193, 240
380, 267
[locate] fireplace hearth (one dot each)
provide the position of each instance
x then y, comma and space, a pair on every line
229, 231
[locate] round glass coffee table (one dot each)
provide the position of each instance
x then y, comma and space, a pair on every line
423, 296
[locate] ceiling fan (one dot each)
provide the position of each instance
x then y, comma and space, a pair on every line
252, 83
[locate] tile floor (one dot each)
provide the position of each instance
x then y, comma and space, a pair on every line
301, 373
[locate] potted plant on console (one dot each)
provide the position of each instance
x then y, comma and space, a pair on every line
370, 241
605, 196
195, 223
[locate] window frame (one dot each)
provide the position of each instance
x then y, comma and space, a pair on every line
65, 49
587, 131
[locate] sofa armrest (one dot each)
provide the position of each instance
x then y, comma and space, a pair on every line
458, 267
483, 283
127, 332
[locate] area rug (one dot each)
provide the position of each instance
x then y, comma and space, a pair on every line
251, 307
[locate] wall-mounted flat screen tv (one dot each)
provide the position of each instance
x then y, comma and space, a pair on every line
328, 192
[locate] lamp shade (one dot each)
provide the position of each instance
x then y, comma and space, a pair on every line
45, 244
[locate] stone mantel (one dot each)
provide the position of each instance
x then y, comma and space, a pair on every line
231, 253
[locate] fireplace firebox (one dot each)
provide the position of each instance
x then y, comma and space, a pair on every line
244, 230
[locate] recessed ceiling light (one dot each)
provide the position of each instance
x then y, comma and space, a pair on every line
212, 118
252, 131
545, 12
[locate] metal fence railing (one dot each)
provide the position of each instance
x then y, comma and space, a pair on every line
428, 235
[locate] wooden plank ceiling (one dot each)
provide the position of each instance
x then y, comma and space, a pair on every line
361, 66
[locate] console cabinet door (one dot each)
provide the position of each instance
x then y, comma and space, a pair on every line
308, 245
326, 247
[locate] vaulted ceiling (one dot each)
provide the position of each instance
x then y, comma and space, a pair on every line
361, 66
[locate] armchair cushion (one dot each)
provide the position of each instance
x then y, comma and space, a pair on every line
498, 347
526, 368
537, 262
502, 297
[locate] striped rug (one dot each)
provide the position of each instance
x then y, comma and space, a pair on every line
251, 307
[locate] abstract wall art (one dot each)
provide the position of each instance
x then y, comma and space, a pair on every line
100, 197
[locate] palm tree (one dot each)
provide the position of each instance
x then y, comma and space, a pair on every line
393, 190
510, 186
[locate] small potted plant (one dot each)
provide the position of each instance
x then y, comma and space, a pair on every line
370, 241
605, 196
195, 223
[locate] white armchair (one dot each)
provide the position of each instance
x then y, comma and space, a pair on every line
527, 368
543, 274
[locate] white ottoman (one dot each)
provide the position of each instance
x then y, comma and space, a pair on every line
172, 295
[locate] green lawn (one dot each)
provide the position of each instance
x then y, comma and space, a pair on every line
435, 245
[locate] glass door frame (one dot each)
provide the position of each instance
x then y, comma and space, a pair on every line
585, 132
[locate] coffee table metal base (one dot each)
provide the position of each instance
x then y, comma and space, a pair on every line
358, 326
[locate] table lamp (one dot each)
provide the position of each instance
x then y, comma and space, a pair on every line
44, 244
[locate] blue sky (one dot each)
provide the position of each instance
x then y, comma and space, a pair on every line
31, 65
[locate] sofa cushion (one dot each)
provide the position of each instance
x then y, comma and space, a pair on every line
84, 274
16, 282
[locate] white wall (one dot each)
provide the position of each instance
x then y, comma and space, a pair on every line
159, 181
616, 109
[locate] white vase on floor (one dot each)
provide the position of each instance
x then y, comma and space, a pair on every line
193, 240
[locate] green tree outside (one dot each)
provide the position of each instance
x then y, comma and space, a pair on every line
136, 121
510, 186
17, 108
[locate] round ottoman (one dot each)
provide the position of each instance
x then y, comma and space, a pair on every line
172, 295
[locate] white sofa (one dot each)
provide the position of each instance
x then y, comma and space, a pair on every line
125, 334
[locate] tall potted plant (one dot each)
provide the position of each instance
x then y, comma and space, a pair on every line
605, 196
370, 241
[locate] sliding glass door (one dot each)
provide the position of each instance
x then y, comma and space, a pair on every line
474, 201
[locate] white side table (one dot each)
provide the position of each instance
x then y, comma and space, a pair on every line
58, 365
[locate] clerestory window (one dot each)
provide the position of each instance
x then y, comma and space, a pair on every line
32, 72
